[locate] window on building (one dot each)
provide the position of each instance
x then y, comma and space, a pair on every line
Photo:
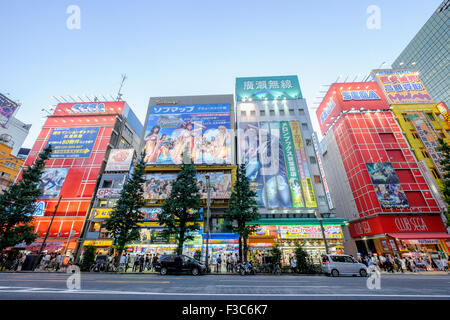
312, 160
103, 203
430, 116
387, 137
424, 153
317, 179
435, 174
262, 113
440, 134
272, 112
107, 184
305, 126
243, 113
301, 112
415, 199
405, 176
252, 112
281, 112
395, 155
405, 117
414, 134
291, 112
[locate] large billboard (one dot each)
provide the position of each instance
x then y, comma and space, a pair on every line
309, 232
401, 86
120, 160
429, 137
267, 88
201, 130
52, 181
7, 109
387, 185
72, 142
159, 186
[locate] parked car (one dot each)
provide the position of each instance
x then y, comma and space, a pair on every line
179, 263
337, 264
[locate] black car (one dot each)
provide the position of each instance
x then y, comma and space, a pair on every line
179, 263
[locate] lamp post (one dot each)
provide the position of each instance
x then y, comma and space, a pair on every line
208, 213
319, 217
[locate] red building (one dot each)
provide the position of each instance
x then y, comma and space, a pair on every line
373, 176
81, 135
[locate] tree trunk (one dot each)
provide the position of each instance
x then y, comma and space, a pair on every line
240, 248
245, 249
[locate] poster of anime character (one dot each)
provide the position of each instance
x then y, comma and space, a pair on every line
52, 181
202, 131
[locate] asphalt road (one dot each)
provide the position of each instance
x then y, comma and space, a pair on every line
48, 286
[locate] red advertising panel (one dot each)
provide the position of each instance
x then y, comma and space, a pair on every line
397, 224
349, 96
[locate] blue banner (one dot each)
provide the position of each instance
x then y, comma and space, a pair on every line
73, 142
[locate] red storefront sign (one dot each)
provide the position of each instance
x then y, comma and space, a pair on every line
396, 224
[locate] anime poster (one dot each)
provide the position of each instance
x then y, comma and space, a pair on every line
251, 150
202, 131
269, 168
382, 173
52, 181
159, 186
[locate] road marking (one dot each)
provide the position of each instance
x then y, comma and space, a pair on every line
36, 280
127, 281
225, 286
46, 290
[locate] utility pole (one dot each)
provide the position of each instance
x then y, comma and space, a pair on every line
46, 235
208, 204
319, 217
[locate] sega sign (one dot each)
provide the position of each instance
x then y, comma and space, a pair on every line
329, 107
88, 108
359, 95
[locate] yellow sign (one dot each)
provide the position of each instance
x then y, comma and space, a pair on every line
98, 243
101, 213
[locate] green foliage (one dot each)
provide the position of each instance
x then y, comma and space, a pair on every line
197, 255
123, 223
444, 148
302, 258
180, 212
88, 258
242, 208
276, 255
17, 202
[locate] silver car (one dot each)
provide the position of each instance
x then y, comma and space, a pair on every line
337, 264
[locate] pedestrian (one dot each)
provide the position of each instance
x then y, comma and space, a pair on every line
293, 263
155, 261
398, 264
389, 264
383, 262
58, 261
445, 263
219, 263
136, 262
141, 262
147, 262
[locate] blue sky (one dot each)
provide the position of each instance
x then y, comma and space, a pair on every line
189, 47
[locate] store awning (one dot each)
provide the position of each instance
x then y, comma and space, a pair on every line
419, 236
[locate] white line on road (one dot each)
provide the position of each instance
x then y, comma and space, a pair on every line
14, 290
230, 286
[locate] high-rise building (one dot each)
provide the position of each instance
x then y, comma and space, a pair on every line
277, 142
374, 177
82, 136
428, 52
9, 163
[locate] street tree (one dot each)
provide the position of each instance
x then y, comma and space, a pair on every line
444, 148
127, 213
18, 202
180, 212
302, 258
242, 208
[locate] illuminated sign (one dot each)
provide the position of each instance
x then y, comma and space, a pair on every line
359, 95
329, 107
268, 88
88, 108
101, 213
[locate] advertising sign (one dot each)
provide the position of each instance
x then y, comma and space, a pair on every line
443, 111
120, 160
309, 232
426, 133
202, 130
387, 185
52, 181
72, 142
100, 213
402, 86
322, 171
159, 186
7, 109
268, 88
105, 193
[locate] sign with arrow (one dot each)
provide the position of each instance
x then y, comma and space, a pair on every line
73, 142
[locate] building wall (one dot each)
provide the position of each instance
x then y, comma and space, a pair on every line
18, 132
9, 165
427, 52
440, 125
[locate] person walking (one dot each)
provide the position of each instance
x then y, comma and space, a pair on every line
154, 261
398, 264
389, 264
293, 263
141, 263
219, 263
136, 262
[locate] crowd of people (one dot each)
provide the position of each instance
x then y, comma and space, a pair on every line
49, 262
387, 263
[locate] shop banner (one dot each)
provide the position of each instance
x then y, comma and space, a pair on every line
268, 88
159, 186
105, 193
269, 167
72, 142
428, 136
7, 109
322, 171
289, 154
443, 112
387, 186
203, 130
402, 86
119, 160
99, 213
52, 181
309, 232
251, 151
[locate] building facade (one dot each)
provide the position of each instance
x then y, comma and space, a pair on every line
9, 164
374, 177
428, 51
277, 142
82, 136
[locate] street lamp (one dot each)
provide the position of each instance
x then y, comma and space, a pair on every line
208, 213
319, 217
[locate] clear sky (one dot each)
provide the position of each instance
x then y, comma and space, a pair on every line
189, 47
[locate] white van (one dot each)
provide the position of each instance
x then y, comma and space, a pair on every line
337, 264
